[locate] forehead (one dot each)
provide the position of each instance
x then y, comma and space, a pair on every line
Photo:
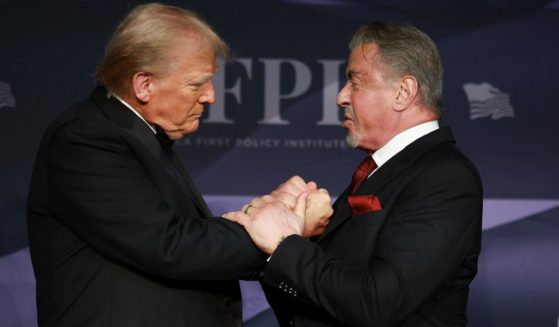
361, 59
194, 56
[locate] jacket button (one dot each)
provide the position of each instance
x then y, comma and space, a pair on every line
227, 300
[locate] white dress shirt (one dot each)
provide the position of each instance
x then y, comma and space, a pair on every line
402, 140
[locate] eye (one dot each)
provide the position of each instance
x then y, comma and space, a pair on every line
197, 84
194, 85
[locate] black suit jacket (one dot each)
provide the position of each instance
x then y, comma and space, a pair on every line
408, 264
119, 237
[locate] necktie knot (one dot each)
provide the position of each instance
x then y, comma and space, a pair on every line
365, 168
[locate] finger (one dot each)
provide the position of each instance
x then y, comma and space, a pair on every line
323, 191
253, 203
261, 201
229, 215
311, 186
294, 185
301, 204
238, 217
322, 195
268, 198
310, 200
286, 198
296, 180
279, 194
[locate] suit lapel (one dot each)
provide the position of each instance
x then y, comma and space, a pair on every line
115, 111
393, 168
191, 187
403, 161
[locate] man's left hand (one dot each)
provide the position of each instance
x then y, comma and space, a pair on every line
270, 222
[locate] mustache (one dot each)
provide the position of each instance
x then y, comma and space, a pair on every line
348, 111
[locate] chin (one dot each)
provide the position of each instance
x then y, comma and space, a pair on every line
176, 135
187, 132
353, 140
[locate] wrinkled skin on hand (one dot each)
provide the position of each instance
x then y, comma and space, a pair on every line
271, 221
318, 210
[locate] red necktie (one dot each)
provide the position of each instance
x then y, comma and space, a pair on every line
364, 169
362, 203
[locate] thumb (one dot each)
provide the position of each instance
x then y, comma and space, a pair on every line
238, 217
301, 204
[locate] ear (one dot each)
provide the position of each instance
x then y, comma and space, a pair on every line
406, 94
142, 84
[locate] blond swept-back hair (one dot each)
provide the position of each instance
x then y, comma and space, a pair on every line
405, 50
142, 43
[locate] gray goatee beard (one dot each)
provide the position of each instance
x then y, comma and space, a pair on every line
353, 140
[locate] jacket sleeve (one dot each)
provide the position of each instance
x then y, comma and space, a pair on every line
100, 190
434, 223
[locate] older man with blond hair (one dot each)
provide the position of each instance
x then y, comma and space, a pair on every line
119, 235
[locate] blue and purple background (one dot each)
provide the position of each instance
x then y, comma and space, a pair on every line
276, 117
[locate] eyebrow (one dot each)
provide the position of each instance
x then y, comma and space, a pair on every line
201, 79
353, 73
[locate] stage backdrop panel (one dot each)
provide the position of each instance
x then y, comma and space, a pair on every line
276, 114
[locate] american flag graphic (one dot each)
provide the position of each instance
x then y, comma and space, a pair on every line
487, 100
6, 97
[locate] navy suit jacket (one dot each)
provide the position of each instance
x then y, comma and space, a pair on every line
408, 264
119, 237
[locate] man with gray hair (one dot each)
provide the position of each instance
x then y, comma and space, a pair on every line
119, 235
402, 244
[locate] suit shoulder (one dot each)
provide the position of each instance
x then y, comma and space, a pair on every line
448, 162
83, 121
82, 127
84, 110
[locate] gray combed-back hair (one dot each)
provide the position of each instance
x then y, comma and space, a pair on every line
406, 51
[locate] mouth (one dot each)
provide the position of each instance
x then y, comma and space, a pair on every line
348, 116
197, 115
348, 121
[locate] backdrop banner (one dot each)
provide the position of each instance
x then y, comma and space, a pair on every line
276, 116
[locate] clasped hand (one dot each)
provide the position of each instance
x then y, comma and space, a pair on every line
295, 207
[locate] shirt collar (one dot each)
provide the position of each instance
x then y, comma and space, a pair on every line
402, 140
133, 110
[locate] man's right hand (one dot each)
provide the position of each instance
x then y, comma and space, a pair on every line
318, 213
318, 210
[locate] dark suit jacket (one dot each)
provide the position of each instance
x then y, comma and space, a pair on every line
118, 237
408, 264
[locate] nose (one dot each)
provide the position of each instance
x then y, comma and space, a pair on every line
208, 97
343, 97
